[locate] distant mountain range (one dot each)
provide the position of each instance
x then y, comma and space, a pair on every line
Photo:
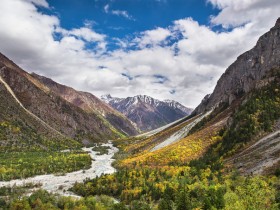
38, 113
148, 113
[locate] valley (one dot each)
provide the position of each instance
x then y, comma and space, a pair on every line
64, 145
59, 183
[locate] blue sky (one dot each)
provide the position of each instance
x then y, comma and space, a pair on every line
143, 14
168, 49
127, 18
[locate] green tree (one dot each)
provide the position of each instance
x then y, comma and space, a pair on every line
183, 201
164, 204
119, 206
139, 205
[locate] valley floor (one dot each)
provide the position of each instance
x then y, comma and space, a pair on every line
101, 164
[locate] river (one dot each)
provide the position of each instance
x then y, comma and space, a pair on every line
101, 164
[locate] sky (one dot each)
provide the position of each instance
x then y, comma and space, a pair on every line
167, 49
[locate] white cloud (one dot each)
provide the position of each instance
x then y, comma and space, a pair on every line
208, 47
87, 34
238, 12
82, 35
71, 43
152, 37
192, 62
122, 13
106, 8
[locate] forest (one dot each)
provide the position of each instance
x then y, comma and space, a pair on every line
43, 200
18, 165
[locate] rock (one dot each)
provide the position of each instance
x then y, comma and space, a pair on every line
247, 71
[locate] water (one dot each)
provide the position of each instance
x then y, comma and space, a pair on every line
101, 164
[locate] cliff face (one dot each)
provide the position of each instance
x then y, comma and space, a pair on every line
246, 72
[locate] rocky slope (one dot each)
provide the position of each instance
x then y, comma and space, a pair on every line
90, 104
246, 72
37, 115
249, 161
148, 113
21, 131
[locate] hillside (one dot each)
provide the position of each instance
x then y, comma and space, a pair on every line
45, 113
146, 112
90, 104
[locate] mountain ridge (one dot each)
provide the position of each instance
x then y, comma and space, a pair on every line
91, 104
46, 108
148, 113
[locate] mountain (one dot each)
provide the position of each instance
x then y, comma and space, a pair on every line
247, 72
251, 86
35, 116
90, 104
148, 113
238, 125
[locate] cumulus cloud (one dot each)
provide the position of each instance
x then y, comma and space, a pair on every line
213, 48
185, 68
152, 37
87, 34
238, 12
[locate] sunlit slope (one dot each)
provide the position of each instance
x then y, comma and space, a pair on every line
182, 151
165, 135
155, 131
147, 143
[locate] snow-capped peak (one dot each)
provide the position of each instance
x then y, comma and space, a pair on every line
109, 99
146, 99
147, 112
